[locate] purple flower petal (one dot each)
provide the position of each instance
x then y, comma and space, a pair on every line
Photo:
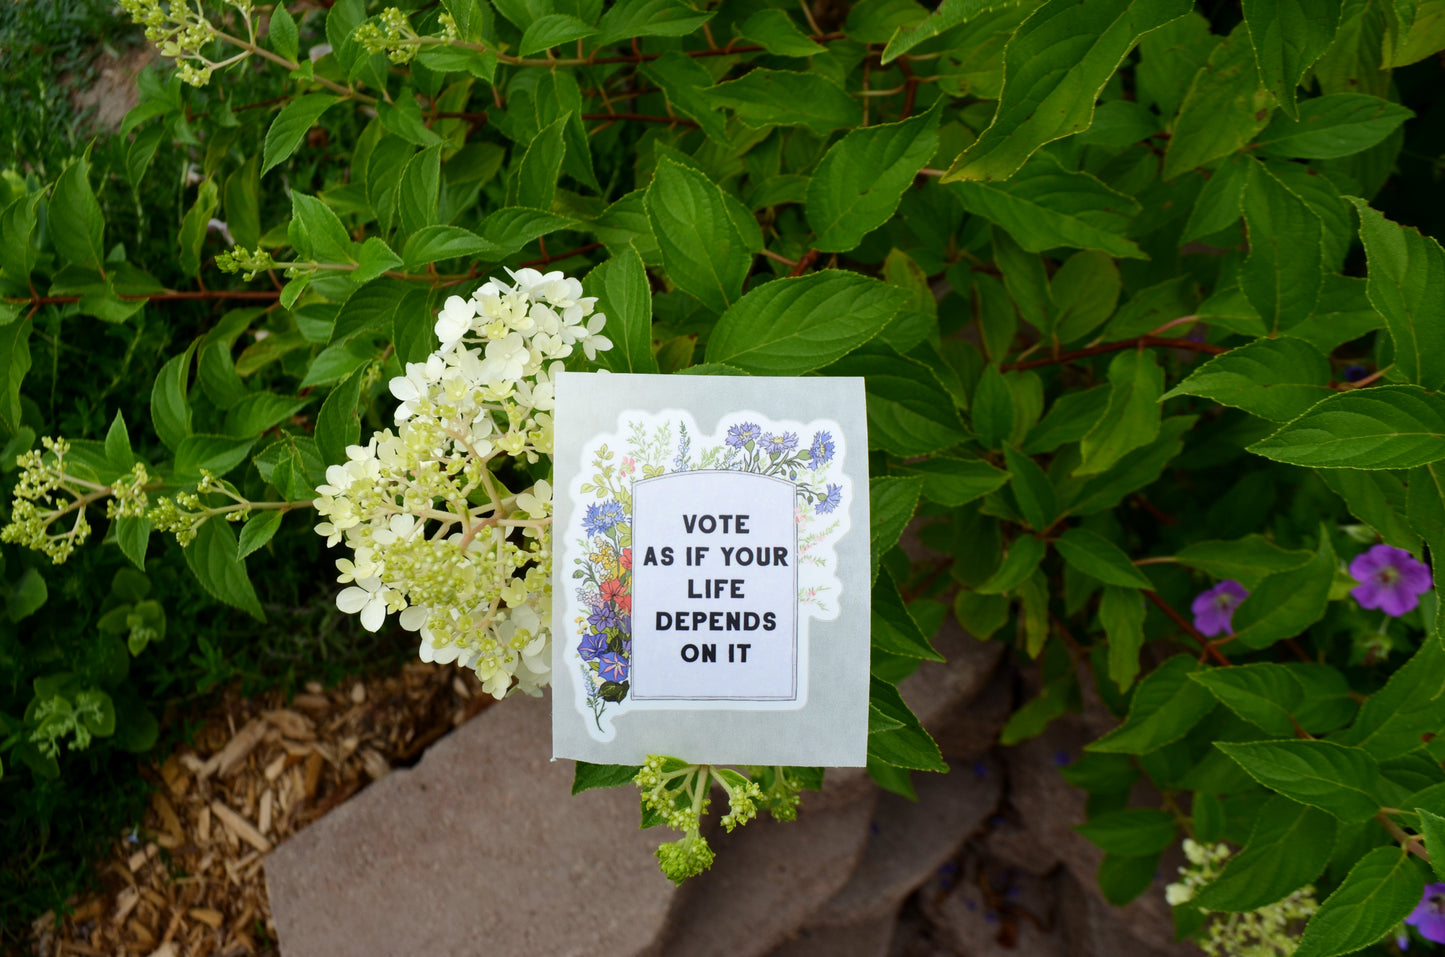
1429, 916
1390, 580
1214, 609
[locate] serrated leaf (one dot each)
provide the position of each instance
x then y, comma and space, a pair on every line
682, 80
587, 776
338, 424
418, 190
1132, 833
891, 503
535, 181
289, 127
649, 18
1411, 704
1275, 379
1285, 271
1379, 892
1287, 848
212, 558
625, 297
77, 226
282, 34
1222, 111
952, 482
257, 531
433, 244
1288, 602
27, 596
1131, 420
1265, 695
764, 97
1044, 206
374, 258
1019, 562
1329, 776
795, 325
1384, 427
1055, 66
1141, 467
1407, 286
1287, 37
170, 414
1165, 706
894, 629
1098, 557
776, 32
1247, 560
1329, 127
702, 250
1032, 490
193, 226
551, 30
1121, 615
217, 454
857, 186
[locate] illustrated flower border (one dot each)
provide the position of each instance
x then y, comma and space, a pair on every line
600, 535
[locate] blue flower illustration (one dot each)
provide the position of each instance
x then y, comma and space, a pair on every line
684, 448
780, 443
600, 518
820, 453
831, 500
604, 617
592, 645
743, 433
612, 667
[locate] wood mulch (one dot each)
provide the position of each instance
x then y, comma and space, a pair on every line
189, 881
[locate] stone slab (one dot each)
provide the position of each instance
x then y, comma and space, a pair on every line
867, 938
480, 848
909, 840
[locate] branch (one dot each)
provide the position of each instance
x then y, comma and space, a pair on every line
1187, 627
1163, 342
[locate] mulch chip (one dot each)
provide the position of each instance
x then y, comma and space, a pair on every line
188, 882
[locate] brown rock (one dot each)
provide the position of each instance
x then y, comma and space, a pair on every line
869, 938
909, 840
993, 913
767, 878
937, 691
1094, 929
478, 849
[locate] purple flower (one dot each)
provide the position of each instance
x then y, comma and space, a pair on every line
1213, 609
1389, 580
612, 667
821, 451
781, 442
605, 616
831, 500
600, 518
743, 433
592, 646
1429, 917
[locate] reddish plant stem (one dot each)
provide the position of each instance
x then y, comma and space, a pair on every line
1189, 629
1108, 347
801, 266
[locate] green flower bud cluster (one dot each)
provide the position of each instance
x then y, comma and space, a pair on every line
183, 34
36, 506
390, 34
55, 717
676, 794
243, 260
1270, 931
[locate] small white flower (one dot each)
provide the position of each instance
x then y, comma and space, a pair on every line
454, 321
368, 597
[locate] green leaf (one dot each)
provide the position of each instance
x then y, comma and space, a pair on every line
649, 18
1384, 427
1407, 287
17, 230
892, 502
950, 13
625, 296
702, 250
1284, 273
260, 411
1124, 877
1141, 467
952, 482
1380, 891
170, 414
289, 127
1136, 384
316, 231
894, 629
1265, 695
374, 258
993, 408
1085, 291
1411, 704
77, 225
1288, 602
857, 186
1044, 206
193, 226
417, 192
338, 424
1413, 34
433, 244
1275, 379
212, 558
1329, 127
763, 97
1032, 490
1098, 557
551, 30
1287, 848
535, 181
1432, 826
1164, 707
905, 746
117, 444
1019, 562
795, 325
217, 454
1131, 833
1223, 110
682, 80
26, 596
1121, 615
1379, 500
257, 531
282, 33
133, 535
1247, 560
586, 776
1055, 67
980, 615
776, 32
1069, 419
241, 205
1322, 774
1220, 203
14, 363
1288, 36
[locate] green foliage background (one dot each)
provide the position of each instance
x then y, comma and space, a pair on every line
1136, 286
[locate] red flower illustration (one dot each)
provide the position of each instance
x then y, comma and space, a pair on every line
616, 592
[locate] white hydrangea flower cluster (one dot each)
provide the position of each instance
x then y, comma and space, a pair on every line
1270, 931
435, 536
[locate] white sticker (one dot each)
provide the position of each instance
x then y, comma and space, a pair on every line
705, 552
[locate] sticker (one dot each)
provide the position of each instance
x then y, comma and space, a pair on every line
710, 570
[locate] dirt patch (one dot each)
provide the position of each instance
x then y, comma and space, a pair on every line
114, 93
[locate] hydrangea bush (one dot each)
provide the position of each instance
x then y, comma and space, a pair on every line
1145, 295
